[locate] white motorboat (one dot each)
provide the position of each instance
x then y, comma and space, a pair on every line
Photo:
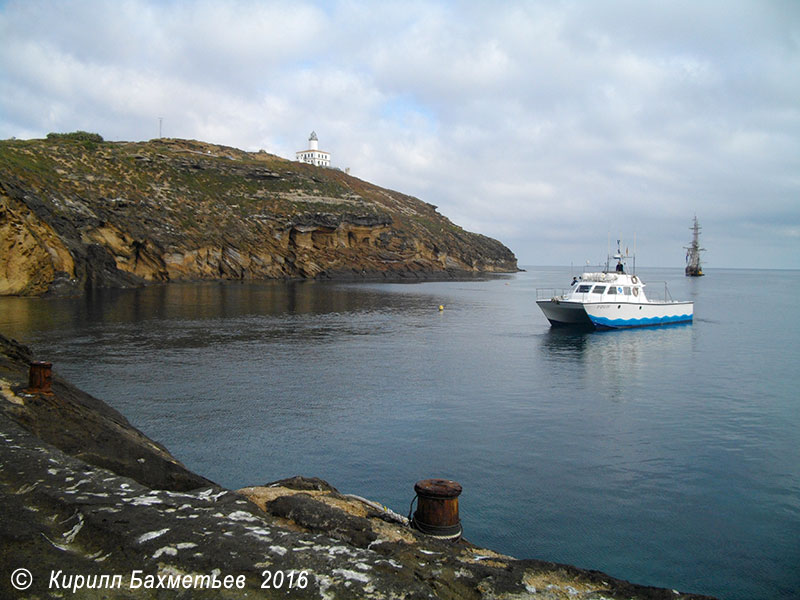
611, 299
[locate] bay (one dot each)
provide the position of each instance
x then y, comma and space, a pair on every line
666, 456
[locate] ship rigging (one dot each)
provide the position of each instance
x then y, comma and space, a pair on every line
693, 267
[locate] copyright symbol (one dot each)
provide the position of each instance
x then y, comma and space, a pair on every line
21, 579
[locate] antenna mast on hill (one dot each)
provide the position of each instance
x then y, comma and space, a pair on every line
160, 120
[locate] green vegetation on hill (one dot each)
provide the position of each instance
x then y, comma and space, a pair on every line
172, 209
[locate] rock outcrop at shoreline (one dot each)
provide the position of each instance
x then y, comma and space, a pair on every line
92, 506
77, 213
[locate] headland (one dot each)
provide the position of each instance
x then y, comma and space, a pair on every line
78, 212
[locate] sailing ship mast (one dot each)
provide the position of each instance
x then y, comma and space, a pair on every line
693, 268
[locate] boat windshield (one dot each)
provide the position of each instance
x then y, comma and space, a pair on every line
599, 289
584, 289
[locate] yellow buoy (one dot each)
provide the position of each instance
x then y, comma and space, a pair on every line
441, 307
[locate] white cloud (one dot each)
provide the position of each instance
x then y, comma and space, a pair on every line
546, 124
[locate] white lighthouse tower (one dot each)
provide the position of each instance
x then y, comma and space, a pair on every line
313, 155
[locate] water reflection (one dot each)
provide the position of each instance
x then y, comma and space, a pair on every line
565, 342
204, 315
615, 360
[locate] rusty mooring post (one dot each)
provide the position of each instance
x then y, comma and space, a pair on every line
437, 508
40, 377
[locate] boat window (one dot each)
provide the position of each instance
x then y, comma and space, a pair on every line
584, 289
612, 289
627, 291
599, 289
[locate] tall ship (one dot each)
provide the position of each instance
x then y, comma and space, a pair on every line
693, 268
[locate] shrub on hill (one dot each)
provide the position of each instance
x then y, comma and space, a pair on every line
89, 140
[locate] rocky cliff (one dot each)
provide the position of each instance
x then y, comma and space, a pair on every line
94, 509
77, 212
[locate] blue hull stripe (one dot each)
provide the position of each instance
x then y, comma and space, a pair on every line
622, 323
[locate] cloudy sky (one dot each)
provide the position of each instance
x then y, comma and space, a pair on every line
549, 125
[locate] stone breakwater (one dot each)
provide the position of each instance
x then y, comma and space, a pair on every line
94, 509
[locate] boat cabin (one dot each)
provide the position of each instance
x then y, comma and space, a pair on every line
607, 287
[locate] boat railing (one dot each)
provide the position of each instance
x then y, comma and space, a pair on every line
658, 296
654, 293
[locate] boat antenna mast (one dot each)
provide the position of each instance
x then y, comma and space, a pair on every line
619, 257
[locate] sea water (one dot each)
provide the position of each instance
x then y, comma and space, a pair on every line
666, 456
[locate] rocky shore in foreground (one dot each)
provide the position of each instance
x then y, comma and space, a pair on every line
92, 508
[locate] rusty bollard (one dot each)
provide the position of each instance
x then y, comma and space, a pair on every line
40, 377
437, 509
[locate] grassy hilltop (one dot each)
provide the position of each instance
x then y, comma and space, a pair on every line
78, 212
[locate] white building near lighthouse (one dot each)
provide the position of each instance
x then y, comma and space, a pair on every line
314, 156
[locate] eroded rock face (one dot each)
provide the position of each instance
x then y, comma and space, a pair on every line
32, 254
74, 217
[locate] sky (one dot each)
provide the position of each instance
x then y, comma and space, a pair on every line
552, 126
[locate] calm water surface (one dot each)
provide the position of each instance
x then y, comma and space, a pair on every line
667, 456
